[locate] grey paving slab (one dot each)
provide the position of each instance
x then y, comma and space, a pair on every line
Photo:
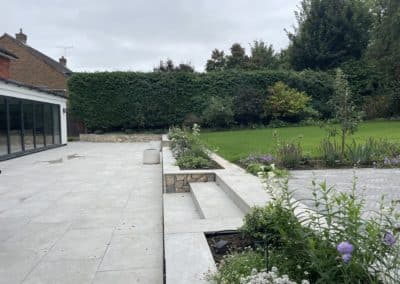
212, 202
188, 258
370, 183
144, 276
84, 213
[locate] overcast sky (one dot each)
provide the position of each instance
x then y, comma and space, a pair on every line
136, 35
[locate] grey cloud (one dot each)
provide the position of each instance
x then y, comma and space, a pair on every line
135, 35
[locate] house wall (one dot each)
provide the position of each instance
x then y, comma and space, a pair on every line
14, 91
4, 67
31, 70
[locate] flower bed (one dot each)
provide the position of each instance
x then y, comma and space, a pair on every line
189, 151
334, 241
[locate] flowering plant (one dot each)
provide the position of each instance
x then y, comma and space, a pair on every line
337, 241
268, 277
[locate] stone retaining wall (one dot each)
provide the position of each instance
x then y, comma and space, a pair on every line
119, 138
180, 182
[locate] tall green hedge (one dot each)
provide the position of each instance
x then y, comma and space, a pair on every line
115, 100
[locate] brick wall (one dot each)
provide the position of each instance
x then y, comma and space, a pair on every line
4, 67
30, 69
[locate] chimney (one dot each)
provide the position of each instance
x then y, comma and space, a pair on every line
63, 61
21, 37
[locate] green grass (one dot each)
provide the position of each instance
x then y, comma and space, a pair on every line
236, 144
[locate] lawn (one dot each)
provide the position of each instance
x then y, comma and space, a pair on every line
236, 144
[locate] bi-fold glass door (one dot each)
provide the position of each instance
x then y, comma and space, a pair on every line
27, 126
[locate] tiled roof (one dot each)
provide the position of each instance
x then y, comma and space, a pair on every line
56, 65
6, 53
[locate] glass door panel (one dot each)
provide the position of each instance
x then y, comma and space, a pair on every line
15, 131
39, 125
3, 127
28, 125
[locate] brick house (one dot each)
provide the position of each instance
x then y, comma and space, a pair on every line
33, 67
5, 59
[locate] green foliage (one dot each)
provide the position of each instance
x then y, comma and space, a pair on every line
384, 49
238, 58
218, 113
238, 265
289, 154
115, 100
344, 108
270, 223
330, 152
248, 106
262, 56
307, 247
285, 103
217, 61
169, 66
192, 161
189, 151
329, 32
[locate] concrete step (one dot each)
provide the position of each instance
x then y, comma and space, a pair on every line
178, 208
188, 259
212, 202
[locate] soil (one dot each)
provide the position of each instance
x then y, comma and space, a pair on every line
236, 242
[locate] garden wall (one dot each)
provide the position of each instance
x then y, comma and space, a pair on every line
129, 100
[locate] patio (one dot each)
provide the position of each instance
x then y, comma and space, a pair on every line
84, 213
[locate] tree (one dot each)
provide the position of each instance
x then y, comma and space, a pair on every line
384, 49
169, 66
344, 108
217, 61
329, 32
263, 56
238, 58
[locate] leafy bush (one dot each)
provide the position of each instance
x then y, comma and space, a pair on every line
285, 103
268, 224
115, 100
189, 151
238, 265
218, 113
191, 161
248, 106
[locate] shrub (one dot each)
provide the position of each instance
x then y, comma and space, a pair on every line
248, 106
218, 113
191, 161
238, 265
285, 103
289, 154
268, 224
115, 100
189, 151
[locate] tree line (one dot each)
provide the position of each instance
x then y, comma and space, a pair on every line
360, 36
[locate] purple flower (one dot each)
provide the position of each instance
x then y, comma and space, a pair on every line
346, 257
345, 248
389, 239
